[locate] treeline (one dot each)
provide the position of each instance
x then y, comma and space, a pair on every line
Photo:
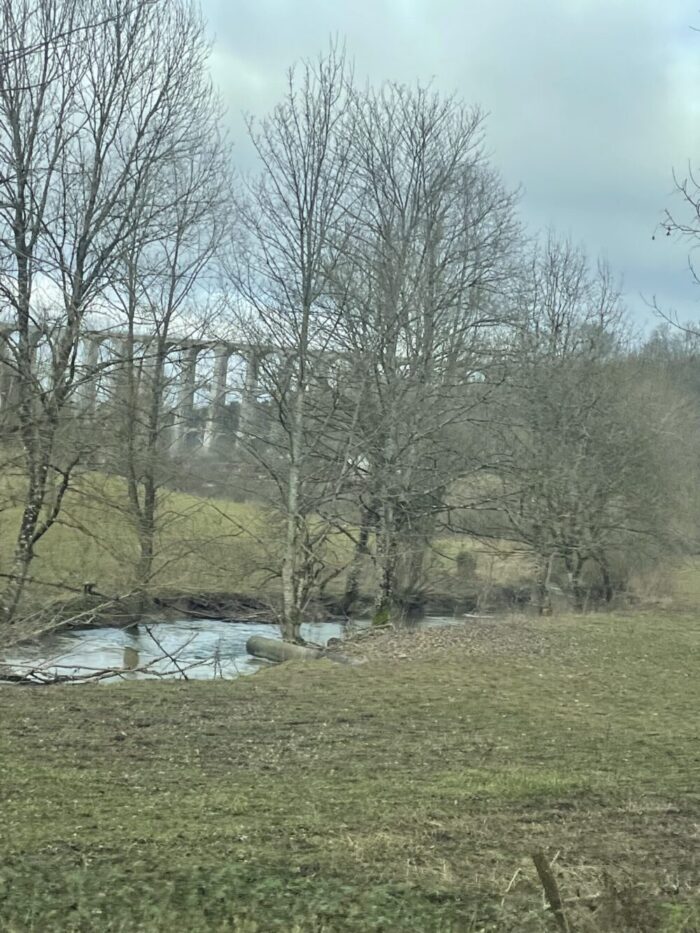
427, 370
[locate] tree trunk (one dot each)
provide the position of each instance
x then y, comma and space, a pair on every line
24, 554
352, 584
544, 599
386, 608
149, 509
26, 538
36, 466
574, 568
291, 609
144, 569
291, 621
606, 579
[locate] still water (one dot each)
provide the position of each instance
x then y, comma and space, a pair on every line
203, 648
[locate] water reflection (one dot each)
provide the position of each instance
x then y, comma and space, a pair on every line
131, 659
204, 648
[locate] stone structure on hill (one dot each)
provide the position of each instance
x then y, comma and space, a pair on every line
211, 387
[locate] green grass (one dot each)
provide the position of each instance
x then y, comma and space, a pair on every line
219, 545
398, 795
202, 544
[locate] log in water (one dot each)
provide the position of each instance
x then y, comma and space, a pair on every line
272, 649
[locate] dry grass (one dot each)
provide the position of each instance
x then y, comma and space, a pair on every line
405, 794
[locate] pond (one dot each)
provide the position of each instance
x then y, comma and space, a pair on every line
203, 648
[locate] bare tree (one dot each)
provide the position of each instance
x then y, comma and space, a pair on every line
85, 127
294, 218
574, 451
71, 32
667, 367
421, 290
683, 222
164, 285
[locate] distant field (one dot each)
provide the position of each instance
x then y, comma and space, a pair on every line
402, 795
225, 546
204, 545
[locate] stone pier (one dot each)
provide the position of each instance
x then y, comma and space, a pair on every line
184, 416
249, 395
89, 374
216, 419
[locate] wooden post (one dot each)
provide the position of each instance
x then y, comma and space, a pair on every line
551, 890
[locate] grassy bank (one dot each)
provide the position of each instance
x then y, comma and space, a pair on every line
217, 545
404, 794
202, 544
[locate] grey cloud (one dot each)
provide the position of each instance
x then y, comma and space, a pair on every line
590, 101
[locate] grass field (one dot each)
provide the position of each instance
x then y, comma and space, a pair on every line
204, 545
220, 545
405, 794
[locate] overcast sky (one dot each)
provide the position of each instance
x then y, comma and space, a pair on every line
591, 103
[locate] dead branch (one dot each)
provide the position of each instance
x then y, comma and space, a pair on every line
25, 675
167, 654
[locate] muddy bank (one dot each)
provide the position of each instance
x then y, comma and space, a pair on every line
489, 599
100, 610
93, 609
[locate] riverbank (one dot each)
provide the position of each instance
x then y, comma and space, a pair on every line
94, 610
405, 794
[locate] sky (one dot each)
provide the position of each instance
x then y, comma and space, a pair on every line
592, 104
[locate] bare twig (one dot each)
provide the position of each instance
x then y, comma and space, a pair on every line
510, 885
167, 653
36, 676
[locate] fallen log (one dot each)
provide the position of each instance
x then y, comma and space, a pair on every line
272, 649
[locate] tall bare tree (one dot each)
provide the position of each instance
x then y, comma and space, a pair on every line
95, 102
575, 450
164, 285
421, 289
294, 217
